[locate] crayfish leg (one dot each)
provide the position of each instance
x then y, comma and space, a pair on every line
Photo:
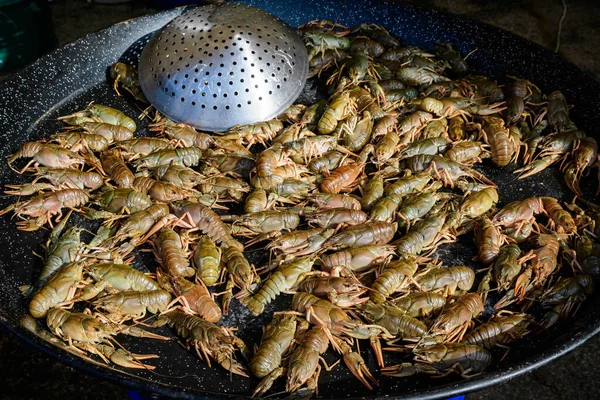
227, 296
323, 325
267, 382
204, 356
503, 347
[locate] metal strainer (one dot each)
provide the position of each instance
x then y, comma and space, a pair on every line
217, 66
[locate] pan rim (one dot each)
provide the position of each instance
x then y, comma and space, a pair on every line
556, 350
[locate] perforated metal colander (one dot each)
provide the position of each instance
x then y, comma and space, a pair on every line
217, 66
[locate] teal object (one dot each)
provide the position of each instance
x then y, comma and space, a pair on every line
9, 2
25, 33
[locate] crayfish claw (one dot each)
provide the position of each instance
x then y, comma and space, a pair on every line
376, 346
29, 225
356, 364
130, 360
400, 370
408, 369
537, 166
142, 333
572, 180
232, 366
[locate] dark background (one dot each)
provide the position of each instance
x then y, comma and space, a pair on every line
27, 373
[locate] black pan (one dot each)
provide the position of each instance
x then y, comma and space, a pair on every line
67, 79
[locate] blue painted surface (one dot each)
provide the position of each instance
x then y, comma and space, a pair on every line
133, 395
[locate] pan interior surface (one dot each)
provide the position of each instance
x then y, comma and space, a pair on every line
29, 113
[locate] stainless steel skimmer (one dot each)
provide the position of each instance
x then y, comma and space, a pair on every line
217, 66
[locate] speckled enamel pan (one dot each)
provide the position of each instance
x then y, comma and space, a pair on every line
70, 77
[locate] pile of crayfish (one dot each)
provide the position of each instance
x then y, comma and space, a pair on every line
351, 197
